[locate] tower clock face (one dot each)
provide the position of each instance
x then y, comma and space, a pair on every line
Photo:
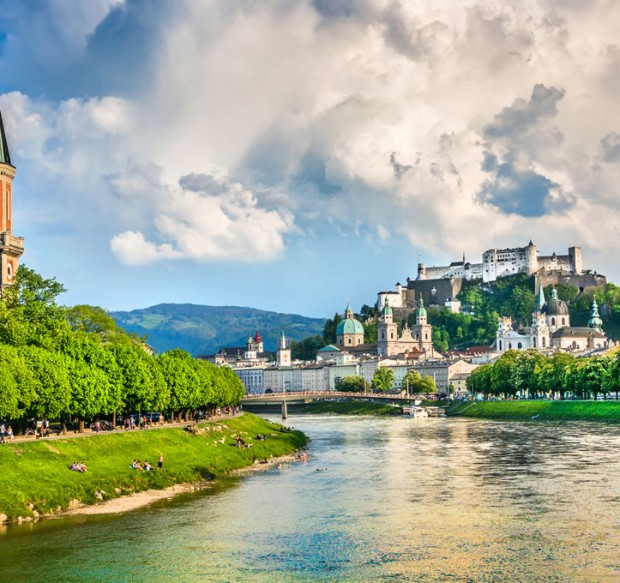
9, 270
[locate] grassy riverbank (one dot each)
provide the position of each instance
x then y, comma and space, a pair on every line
352, 408
608, 411
37, 480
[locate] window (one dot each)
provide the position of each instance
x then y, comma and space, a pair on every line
519, 346
553, 321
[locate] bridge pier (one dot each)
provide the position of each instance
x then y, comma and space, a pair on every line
284, 410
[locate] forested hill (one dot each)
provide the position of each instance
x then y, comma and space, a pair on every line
206, 329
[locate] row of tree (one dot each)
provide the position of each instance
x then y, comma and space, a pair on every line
383, 380
72, 363
529, 374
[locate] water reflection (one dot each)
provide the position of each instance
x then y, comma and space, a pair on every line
380, 499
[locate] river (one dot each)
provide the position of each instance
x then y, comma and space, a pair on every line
380, 499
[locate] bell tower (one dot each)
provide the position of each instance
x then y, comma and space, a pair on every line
11, 247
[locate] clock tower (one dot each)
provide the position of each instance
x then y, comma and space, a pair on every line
11, 247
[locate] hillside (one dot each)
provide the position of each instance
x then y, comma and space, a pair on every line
205, 329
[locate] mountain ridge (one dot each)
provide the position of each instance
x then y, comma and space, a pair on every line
202, 329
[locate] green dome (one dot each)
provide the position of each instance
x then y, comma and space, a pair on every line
387, 309
349, 326
421, 309
595, 320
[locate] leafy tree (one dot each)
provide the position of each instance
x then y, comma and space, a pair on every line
51, 382
329, 329
426, 385
552, 373
306, 349
592, 376
16, 383
383, 379
524, 376
90, 391
411, 381
183, 380
28, 312
479, 381
352, 384
501, 374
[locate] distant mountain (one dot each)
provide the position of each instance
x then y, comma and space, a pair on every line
206, 329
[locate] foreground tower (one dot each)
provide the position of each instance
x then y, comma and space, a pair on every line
11, 247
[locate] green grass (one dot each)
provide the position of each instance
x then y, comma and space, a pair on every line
543, 410
352, 408
36, 475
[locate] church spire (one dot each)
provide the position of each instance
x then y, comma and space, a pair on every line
540, 302
5, 157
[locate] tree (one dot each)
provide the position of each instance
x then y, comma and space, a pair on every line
352, 384
383, 379
592, 375
28, 312
479, 381
16, 383
524, 376
329, 329
411, 380
552, 373
501, 373
427, 385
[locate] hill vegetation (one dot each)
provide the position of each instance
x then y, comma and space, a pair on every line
205, 329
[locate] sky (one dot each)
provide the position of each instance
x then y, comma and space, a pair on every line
292, 155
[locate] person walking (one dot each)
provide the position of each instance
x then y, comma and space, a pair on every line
160, 461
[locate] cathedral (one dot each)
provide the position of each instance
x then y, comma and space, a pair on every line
11, 247
551, 329
350, 336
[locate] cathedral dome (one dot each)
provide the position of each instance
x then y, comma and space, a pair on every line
349, 325
555, 307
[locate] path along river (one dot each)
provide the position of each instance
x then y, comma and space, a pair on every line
380, 499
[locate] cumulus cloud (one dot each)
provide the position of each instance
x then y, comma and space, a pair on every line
374, 118
210, 218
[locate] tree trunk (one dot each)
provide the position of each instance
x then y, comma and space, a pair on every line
81, 425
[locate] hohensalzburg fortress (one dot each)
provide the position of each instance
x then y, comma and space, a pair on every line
503, 262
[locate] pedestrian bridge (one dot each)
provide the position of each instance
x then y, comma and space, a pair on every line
309, 396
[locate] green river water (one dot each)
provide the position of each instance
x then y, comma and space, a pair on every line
380, 499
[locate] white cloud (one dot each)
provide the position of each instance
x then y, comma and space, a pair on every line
372, 117
209, 218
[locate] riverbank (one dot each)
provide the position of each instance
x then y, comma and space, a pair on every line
352, 408
38, 481
608, 411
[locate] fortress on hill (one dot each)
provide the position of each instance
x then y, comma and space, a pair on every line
440, 285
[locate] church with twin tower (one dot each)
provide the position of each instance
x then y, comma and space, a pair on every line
11, 247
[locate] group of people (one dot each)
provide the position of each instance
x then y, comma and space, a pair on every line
79, 467
6, 432
146, 467
240, 442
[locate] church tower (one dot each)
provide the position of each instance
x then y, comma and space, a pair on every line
387, 332
423, 330
11, 247
284, 352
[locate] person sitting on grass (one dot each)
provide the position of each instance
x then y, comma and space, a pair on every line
147, 466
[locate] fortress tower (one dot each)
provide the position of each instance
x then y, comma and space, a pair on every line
11, 247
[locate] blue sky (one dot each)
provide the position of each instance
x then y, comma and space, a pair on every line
290, 155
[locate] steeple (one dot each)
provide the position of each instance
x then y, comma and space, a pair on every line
5, 157
540, 302
11, 247
595, 320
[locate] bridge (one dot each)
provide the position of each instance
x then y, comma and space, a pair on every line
309, 396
